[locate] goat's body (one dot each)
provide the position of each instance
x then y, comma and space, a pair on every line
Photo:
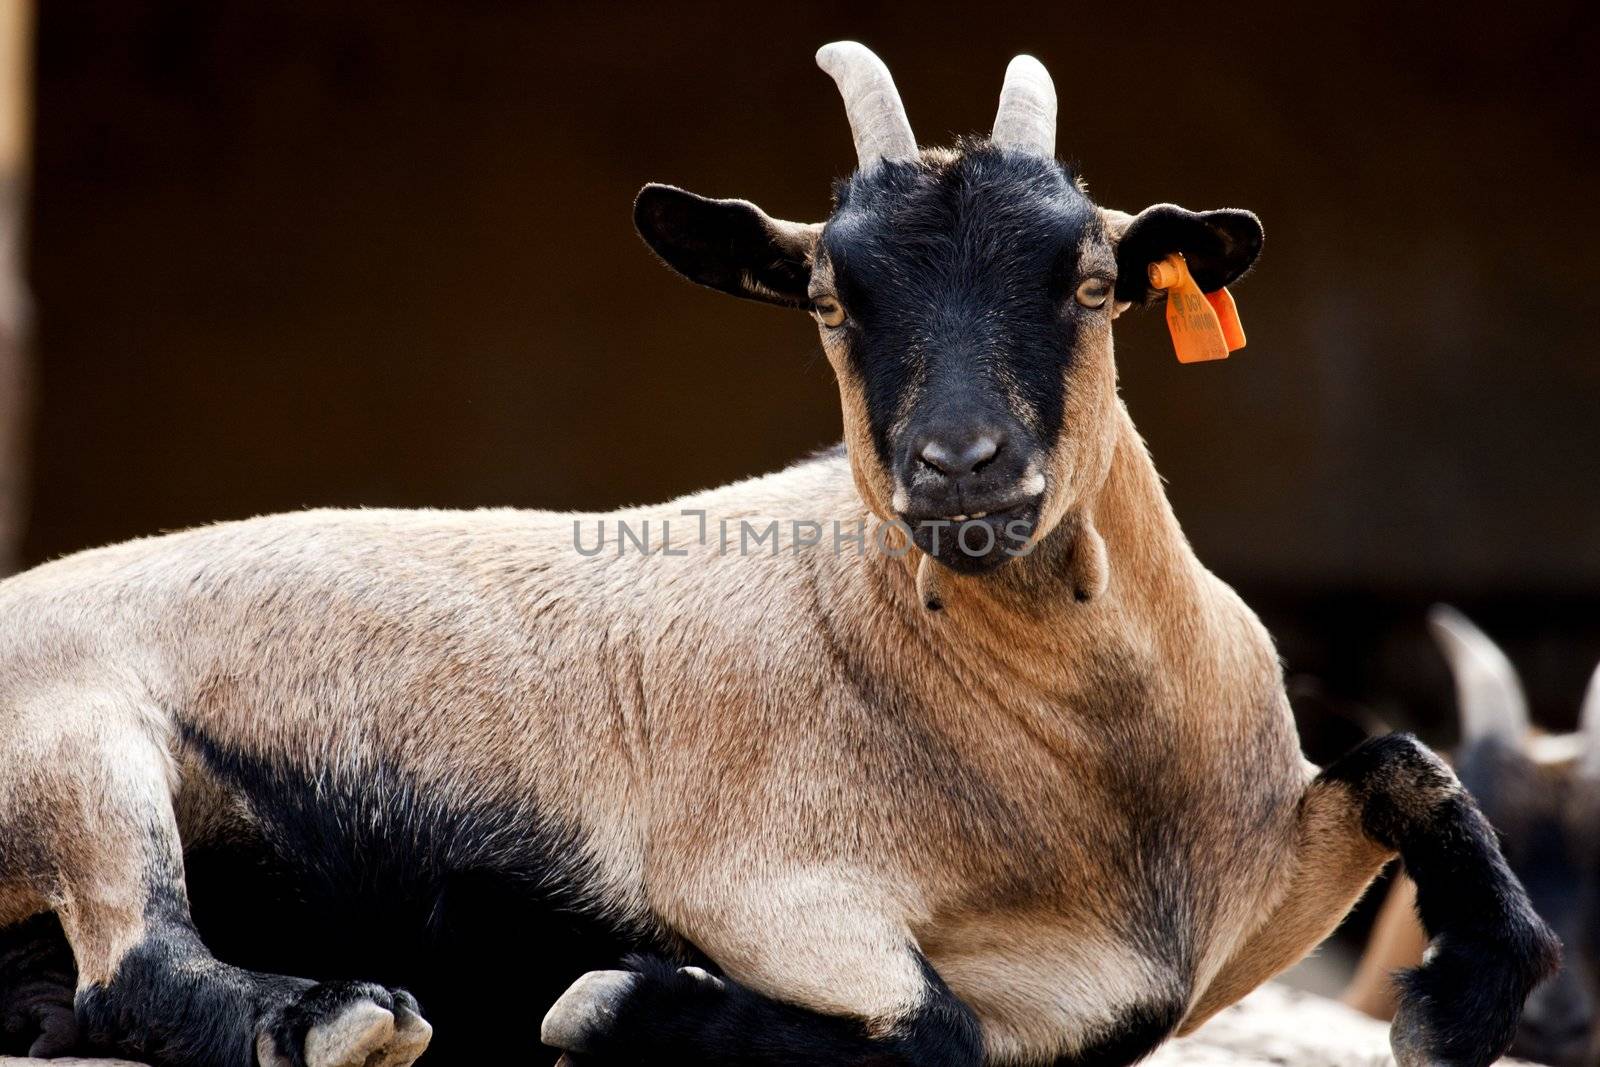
430, 698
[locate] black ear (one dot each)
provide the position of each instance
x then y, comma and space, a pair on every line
1218, 245
730, 245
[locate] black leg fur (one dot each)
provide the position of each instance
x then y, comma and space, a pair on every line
1488, 948
37, 978
172, 1003
480, 910
671, 1015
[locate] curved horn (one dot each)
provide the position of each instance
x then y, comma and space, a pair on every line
1489, 695
1589, 725
1026, 120
877, 117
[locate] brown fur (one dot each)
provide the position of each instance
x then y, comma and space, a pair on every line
1335, 862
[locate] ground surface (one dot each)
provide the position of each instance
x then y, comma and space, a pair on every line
1273, 1026
1277, 1025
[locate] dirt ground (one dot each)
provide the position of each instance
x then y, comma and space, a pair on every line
1278, 1025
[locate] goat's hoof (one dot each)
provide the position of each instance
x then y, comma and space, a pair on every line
700, 974
347, 1024
587, 1009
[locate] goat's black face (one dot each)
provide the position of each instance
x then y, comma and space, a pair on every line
946, 288
965, 301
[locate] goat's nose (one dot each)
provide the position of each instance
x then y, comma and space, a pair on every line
955, 457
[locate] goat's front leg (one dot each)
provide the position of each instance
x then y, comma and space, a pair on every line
847, 987
656, 1012
1487, 947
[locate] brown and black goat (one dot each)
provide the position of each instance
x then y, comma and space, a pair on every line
1542, 793
1015, 782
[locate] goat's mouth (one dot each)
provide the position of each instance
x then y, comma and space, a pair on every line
977, 541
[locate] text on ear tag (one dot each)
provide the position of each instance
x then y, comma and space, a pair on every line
1196, 331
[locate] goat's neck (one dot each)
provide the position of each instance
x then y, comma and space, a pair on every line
1150, 570
1147, 552
1023, 639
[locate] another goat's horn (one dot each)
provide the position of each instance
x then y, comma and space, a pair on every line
1589, 726
1026, 120
1489, 695
877, 117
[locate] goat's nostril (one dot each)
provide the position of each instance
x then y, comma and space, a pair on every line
982, 451
940, 458
954, 461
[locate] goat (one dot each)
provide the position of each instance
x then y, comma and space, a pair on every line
1539, 791
1026, 793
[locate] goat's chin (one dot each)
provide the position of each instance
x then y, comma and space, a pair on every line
975, 546
960, 563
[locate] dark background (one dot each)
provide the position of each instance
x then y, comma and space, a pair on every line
380, 254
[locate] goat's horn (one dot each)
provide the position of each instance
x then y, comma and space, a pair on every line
1026, 120
877, 117
1489, 695
1589, 725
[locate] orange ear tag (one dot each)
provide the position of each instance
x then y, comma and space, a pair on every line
1227, 311
1196, 331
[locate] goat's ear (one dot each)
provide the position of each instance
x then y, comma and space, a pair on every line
1218, 245
729, 245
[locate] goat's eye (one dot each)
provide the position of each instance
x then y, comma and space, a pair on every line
1094, 293
828, 311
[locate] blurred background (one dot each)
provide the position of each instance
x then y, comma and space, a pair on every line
379, 253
